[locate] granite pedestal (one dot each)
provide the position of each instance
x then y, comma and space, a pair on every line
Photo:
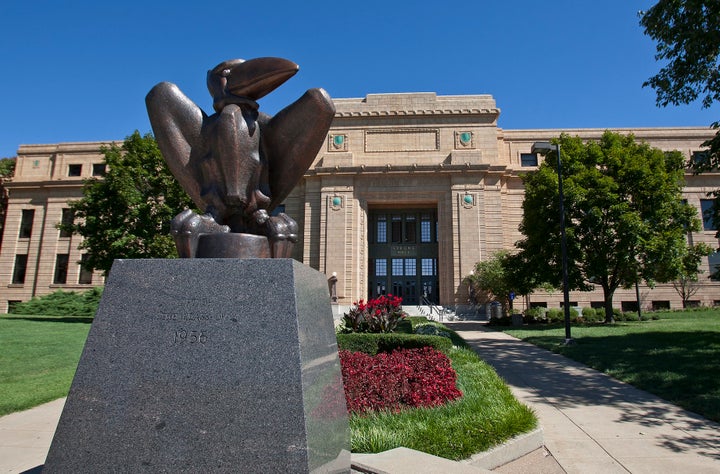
207, 365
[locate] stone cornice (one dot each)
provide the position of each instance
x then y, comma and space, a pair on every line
415, 112
404, 169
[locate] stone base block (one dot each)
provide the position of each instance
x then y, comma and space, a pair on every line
207, 365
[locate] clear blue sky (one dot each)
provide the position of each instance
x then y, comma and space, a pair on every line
79, 70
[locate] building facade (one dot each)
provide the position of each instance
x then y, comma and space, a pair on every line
406, 195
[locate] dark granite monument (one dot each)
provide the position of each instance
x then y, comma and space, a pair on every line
217, 362
188, 368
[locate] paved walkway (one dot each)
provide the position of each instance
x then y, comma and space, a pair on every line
25, 437
593, 423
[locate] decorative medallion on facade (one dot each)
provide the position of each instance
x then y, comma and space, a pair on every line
336, 202
337, 142
464, 140
467, 200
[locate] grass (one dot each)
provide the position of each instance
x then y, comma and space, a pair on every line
40, 354
675, 357
485, 416
38, 359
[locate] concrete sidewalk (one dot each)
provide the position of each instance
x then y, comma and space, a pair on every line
25, 436
592, 423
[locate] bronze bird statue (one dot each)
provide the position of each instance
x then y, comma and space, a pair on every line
238, 164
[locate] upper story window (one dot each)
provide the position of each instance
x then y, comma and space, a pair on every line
528, 159
705, 209
700, 157
67, 219
98, 169
74, 170
26, 223
714, 263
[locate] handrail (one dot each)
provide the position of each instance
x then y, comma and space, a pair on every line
432, 306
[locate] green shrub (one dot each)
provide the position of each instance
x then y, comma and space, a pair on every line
535, 315
430, 329
405, 326
61, 303
555, 315
373, 343
592, 315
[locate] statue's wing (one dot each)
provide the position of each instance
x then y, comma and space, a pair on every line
176, 122
292, 139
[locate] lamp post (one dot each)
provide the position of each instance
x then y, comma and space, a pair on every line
545, 148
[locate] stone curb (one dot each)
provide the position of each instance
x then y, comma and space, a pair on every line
409, 461
509, 451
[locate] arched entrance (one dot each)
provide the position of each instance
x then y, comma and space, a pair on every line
403, 254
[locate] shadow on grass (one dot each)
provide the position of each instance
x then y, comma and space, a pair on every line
679, 367
51, 319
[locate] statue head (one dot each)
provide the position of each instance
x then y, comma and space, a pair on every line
251, 79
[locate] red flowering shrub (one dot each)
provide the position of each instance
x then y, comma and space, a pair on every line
377, 315
404, 378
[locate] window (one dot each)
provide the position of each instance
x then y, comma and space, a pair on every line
380, 267
714, 264
629, 306
98, 169
26, 223
428, 267
397, 266
410, 229
381, 230
61, 269
659, 305
74, 170
425, 227
528, 159
85, 273
700, 157
706, 210
396, 229
20, 269
597, 304
67, 219
538, 304
410, 267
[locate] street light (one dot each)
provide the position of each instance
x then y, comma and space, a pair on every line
544, 148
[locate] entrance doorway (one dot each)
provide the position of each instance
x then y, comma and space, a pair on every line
403, 254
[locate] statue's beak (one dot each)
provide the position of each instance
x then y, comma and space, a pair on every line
257, 77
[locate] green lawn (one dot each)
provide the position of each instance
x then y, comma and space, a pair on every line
676, 357
38, 357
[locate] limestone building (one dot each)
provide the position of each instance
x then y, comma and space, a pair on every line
406, 195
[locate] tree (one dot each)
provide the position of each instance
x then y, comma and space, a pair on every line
490, 281
7, 171
686, 283
687, 33
626, 220
127, 213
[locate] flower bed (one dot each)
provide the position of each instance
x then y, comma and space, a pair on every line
406, 378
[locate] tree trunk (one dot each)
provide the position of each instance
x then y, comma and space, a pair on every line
608, 299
